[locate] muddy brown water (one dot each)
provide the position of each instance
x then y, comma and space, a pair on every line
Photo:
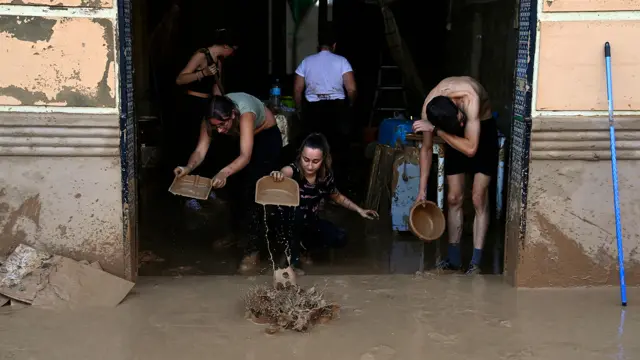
382, 318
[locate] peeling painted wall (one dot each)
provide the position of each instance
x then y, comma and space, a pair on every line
60, 188
591, 5
570, 238
70, 208
57, 62
67, 3
570, 229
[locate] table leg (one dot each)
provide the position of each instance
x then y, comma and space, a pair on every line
439, 149
500, 179
499, 185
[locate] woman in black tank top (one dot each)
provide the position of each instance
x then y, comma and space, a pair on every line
202, 73
201, 80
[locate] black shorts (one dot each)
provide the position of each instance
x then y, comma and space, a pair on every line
485, 161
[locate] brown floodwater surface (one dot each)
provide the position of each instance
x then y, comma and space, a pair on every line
381, 318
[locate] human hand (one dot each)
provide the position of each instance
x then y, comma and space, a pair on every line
422, 126
369, 214
422, 197
277, 176
219, 181
181, 171
210, 70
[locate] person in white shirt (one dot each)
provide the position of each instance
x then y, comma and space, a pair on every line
323, 78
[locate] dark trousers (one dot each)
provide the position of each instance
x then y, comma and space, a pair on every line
294, 231
331, 118
265, 158
184, 131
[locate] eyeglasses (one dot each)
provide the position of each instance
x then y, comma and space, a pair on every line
216, 126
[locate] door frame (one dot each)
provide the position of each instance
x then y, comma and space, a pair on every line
520, 139
519, 153
128, 140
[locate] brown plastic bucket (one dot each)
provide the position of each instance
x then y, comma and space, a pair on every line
426, 221
270, 192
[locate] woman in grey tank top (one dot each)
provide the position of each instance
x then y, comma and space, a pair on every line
243, 115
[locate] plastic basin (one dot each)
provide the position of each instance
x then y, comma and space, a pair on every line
427, 221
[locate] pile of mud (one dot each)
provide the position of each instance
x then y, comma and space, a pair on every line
291, 307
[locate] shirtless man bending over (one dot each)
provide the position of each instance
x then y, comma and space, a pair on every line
459, 111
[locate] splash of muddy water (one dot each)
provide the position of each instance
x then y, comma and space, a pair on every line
284, 276
266, 237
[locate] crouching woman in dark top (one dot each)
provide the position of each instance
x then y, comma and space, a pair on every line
312, 171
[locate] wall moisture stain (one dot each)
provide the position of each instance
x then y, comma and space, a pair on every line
28, 28
57, 62
62, 3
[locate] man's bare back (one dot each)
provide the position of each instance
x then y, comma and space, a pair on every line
476, 153
463, 90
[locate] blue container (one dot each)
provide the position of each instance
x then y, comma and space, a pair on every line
392, 130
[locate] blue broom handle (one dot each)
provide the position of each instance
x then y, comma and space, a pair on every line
614, 175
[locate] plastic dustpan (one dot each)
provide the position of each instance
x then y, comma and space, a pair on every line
426, 221
270, 192
192, 186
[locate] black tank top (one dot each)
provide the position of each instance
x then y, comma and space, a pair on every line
205, 85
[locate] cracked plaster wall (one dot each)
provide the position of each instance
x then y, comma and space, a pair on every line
570, 237
66, 3
57, 62
570, 225
60, 188
67, 206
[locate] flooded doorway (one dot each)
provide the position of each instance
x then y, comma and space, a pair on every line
470, 38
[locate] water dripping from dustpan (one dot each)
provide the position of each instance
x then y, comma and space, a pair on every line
279, 193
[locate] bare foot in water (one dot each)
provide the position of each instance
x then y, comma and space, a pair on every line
284, 278
306, 260
298, 271
249, 264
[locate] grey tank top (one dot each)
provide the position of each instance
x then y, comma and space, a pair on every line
249, 103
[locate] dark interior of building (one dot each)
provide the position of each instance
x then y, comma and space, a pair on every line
443, 38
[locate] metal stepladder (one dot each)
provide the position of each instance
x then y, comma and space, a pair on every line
391, 108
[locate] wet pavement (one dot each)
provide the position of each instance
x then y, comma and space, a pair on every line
382, 318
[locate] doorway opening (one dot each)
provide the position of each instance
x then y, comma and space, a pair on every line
452, 38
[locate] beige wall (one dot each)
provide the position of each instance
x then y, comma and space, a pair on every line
57, 61
570, 238
571, 65
63, 3
591, 5
60, 188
